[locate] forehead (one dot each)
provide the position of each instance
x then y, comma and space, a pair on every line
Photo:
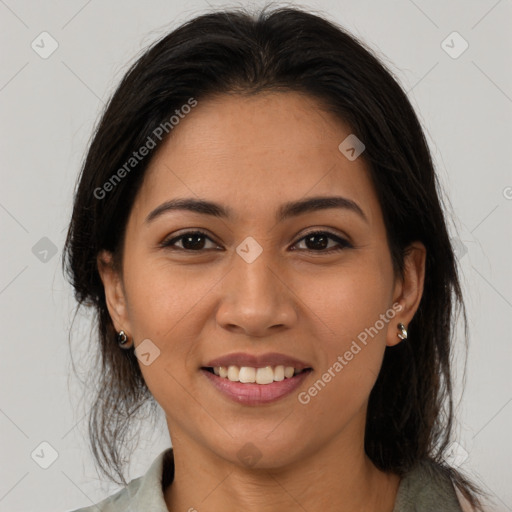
254, 153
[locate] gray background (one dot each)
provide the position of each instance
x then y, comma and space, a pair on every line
49, 107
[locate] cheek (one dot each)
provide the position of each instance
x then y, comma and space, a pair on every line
350, 364
162, 306
350, 298
161, 296
353, 314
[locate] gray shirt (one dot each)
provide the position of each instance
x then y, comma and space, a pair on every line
423, 489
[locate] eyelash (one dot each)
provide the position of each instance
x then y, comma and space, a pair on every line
343, 244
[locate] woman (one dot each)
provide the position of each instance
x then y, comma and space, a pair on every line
258, 227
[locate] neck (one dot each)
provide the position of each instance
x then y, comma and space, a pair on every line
331, 478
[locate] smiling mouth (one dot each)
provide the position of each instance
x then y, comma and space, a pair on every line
251, 375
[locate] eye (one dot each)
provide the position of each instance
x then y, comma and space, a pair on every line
319, 240
194, 241
191, 241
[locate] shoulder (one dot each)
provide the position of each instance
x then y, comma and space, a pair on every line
426, 487
118, 502
142, 493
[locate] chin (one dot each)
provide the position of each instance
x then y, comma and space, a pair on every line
254, 452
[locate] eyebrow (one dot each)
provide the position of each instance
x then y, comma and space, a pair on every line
285, 211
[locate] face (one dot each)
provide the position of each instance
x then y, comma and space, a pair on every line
255, 282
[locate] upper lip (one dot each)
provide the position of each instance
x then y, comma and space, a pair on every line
257, 361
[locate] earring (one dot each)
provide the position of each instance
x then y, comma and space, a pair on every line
403, 334
122, 340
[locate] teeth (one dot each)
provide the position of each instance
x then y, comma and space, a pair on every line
247, 374
279, 373
288, 372
234, 373
264, 375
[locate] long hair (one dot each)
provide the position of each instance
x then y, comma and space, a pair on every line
410, 411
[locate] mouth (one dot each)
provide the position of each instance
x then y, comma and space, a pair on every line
255, 386
252, 375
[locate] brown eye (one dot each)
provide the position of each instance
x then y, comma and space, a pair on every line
190, 241
317, 241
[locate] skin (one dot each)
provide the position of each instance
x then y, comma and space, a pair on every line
252, 154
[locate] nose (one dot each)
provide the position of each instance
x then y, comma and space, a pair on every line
256, 300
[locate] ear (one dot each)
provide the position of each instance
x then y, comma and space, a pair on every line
114, 292
409, 290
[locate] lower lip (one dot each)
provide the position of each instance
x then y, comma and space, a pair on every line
256, 394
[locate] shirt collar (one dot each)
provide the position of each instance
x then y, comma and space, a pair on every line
147, 492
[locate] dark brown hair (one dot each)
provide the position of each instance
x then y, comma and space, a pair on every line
410, 412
